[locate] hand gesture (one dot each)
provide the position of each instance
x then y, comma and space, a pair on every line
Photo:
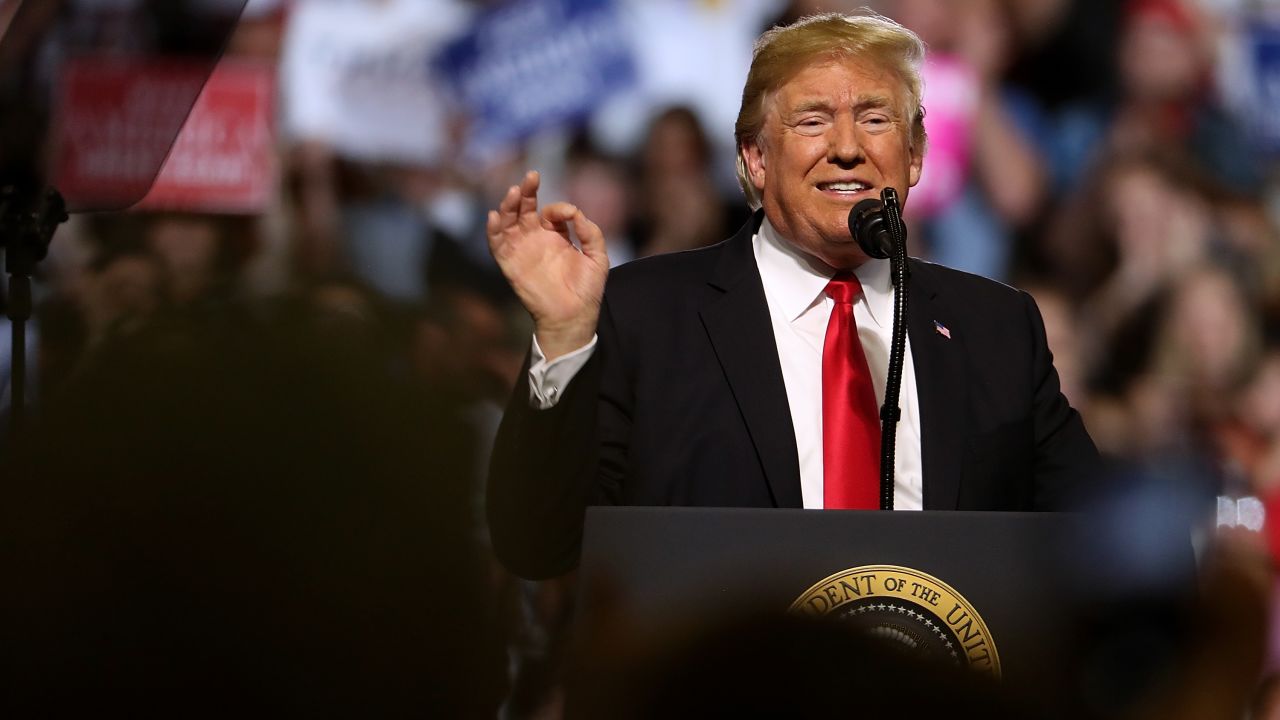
560, 284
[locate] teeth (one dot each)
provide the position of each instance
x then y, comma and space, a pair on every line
846, 186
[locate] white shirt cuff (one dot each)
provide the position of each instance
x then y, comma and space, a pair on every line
548, 379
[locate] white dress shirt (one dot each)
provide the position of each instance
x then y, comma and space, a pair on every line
794, 287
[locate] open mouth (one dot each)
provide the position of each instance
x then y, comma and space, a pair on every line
844, 188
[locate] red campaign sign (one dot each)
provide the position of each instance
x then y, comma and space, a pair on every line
118, 119
224, 159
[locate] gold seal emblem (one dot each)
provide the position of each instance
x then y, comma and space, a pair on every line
927, 616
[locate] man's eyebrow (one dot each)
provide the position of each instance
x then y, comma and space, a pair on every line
861, 102
812, 104
872, 101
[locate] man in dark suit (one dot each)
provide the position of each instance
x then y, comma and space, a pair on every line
706, 377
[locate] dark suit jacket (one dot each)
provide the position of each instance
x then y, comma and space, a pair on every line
683, 403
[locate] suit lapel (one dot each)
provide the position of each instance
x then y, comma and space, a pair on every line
942, 388
738, 324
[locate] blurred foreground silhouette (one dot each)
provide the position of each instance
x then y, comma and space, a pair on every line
225, 513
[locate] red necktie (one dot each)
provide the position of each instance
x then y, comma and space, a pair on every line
850, 421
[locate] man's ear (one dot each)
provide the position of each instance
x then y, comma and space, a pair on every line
753, 157
917, 165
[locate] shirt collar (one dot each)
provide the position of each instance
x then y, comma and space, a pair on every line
796, 280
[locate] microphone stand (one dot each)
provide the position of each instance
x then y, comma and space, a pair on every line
27, 222
890, 412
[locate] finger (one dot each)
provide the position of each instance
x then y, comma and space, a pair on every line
556, 216
493, 229
529, 195
509, 208
590, 238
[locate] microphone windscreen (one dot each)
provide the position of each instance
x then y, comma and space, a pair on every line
868, 228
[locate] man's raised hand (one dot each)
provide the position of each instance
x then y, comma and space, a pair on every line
560, 285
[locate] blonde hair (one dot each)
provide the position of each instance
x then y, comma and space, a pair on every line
782, 52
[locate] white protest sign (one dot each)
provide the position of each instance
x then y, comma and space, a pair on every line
357, 75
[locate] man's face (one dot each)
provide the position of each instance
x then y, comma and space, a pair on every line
833, 135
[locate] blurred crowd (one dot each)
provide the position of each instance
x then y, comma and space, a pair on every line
1112, 158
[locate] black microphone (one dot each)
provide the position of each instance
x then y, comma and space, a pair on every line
869, 228
877, 227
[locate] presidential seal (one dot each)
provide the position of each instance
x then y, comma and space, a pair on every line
919, 611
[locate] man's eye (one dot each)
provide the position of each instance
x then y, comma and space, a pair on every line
811, 125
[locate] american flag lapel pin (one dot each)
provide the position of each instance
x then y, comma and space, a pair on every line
941, 329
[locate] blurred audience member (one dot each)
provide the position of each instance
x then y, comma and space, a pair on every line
202, 255
598, 184
1125, 237
1208, 345
691, 54
1250, 436
1066, 341
985, 179
679, 202
1164, 101
130, 288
